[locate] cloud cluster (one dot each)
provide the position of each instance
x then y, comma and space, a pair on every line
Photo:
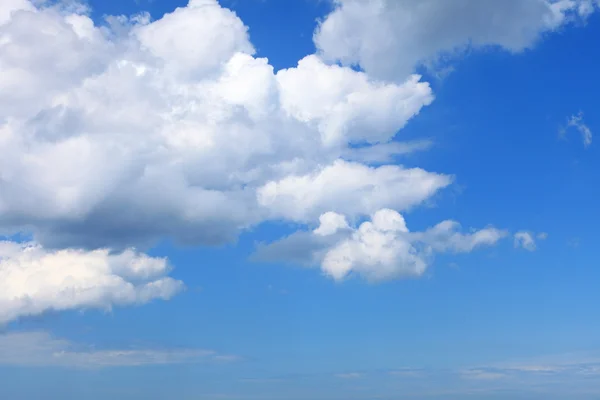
34, 280
124, 134
118, 133
389, 38
380, 248
39, 349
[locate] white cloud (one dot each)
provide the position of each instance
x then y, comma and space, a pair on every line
120, 135
347, 106
184, 44
388, 38
526, 240
576, 122
351, 189
39, 349
117, 135
9, 7
330, 223
379, 249
34, 280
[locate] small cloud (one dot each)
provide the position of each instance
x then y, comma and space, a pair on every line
524, 240
576, 122
542, 236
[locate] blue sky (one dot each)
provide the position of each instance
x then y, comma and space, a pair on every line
187, 210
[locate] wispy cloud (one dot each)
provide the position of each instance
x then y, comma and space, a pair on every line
40, 349
576, 122
527, 240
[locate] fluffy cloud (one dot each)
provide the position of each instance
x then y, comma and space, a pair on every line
379, 249
388, 38
118, 135
34, 280
39, 349
349, 188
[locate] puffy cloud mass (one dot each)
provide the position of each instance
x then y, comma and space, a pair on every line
388, 38
34, 280
378, 249
117, 133
120, 134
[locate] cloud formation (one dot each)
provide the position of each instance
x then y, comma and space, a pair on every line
118, 133
34, 280
378, 249
122, 134
39, 349
527, 240
389, 38
576, 122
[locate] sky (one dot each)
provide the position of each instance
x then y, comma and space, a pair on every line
299, 200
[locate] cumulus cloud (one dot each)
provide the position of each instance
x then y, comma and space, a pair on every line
389, 38
527, 240
349, 188
379, 249
34, 280
120, 134
40, 349
117, 134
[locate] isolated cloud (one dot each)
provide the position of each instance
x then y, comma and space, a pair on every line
39, 349
576, 122
527, 240
379, 249
389, 38
118, 135
34, 280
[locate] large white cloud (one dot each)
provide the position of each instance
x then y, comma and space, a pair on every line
34, 280
388, 38
379, 249
118, 135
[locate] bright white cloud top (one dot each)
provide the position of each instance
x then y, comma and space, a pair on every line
119, 134
378, 249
